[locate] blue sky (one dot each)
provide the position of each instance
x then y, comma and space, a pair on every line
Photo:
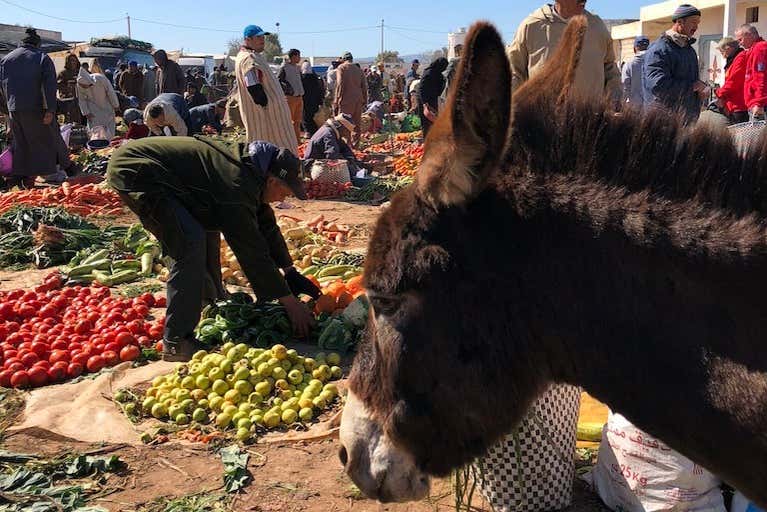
415, 26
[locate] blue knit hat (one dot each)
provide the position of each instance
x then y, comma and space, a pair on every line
685, 11
642, 42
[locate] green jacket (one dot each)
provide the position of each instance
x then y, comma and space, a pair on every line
209, 179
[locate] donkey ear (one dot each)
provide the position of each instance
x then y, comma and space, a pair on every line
468, 139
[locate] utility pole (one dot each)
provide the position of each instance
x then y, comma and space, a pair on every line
127, 17
382, 36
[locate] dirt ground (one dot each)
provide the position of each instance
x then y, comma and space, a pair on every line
287, 477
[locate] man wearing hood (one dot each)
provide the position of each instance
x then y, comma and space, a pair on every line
263, 107
671, 75
170, 76
132, 82
66, 85
186, 190
98, 102
28, 85
631, 78
351, 94
538, 36
429, 91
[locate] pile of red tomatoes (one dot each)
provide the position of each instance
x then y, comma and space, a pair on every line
51, 334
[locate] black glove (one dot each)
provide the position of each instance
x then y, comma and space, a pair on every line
299, 284
258, 95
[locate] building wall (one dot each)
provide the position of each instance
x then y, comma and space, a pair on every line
48, 34
741, 15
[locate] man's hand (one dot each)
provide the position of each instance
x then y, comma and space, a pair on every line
47, 118
299, 284
756, 111
299, 315
428, 114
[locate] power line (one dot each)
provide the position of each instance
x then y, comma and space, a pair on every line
419, 30
400, 33
208, 29
58, 17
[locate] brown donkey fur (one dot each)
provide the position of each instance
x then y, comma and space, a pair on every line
622, 254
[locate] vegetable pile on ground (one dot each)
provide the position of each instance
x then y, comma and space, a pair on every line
126, 260
86, 200
299, 231
326, 190
378, 190
94, 164
51, 334
47, 236
240, 319
407, 164
248, 390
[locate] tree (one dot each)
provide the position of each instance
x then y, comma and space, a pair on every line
272, 49
389, 57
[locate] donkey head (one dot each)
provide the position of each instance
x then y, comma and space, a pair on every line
424, 389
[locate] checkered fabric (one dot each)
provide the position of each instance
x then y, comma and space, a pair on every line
533, 469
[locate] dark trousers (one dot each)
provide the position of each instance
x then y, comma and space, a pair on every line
738, 117
309, 125
195, 272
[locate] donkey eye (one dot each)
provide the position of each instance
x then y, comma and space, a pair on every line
384, 304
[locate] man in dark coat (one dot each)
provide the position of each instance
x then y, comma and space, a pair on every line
430, 89
28, 82
314, 94
671, 75
328, 142
170, 76
194, 98
132, 82
186, 190
207, 115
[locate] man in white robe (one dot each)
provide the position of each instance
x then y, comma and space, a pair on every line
98, 103
263, 107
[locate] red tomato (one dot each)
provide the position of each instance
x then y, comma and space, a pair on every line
136, 327
38, 376
80, 358
129, 353
82, 327
75, 345
8, 354
111, 358
93, 317
113, 347
42, 364
95, 363
29, 359
40, 348
160, 302
142, 310
6, 311
74, 370
59, 345
148, 299
69, 292
20, 379
59, 355
155, 333
15, 367
27, 311
57, 373
5, 378
159, 346
145, 341
124, 339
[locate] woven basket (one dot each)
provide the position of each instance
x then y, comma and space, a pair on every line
532, 470
331, 171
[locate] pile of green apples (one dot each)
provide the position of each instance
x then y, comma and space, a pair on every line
245, 388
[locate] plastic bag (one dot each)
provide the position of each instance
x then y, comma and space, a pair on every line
638, 473
6, 162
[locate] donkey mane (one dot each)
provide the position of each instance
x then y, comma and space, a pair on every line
649, 165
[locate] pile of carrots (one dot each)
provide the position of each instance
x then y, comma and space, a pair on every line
333, 231
407, 164
85, 200
338, 295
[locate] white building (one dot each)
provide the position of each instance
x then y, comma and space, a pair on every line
453, 40
719, 18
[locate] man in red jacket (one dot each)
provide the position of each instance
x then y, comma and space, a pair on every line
731, 94
755, 87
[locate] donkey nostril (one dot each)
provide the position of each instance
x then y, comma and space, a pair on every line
343, 455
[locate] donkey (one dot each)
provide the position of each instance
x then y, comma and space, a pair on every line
557, 241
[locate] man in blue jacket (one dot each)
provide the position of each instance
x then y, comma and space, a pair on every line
28, 87
671, 77
328, 142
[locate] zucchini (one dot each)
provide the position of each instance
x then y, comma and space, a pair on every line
96, 256
591, 432
334, 270
84, 269
310, 271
